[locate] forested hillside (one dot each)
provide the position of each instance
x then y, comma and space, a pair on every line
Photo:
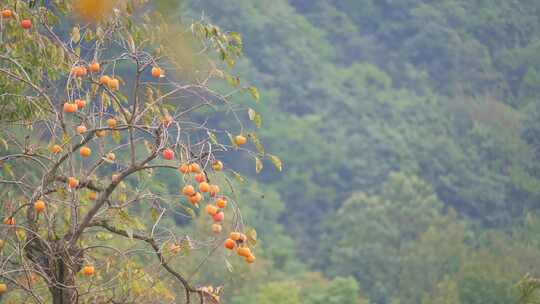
409, 132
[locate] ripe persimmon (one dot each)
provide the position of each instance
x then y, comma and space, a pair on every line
26, 24
156, 72
10, 221
72, 182
211, 209
79, 71
219, 217
70, 107
204, 187
88, 270
229, 244
221, 202
104, 80
200, 178
194, 168
244, 252
39, 206
188, 190
3, 288
235, 236
168, 154
94, 67
217, 165
250, 259
81, 129
85, 151
114, 84
81, 103
240, 140
7, 13
111, 123
184, 168
195, 199
55, 149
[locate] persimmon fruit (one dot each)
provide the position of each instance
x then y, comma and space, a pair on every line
168, 154
112, 123
229, 244
94, 67
85, 151
88, 271
55, 149
217, 165
204, 187
26, 24
81, 129
72, 182
70, 107
39, 206
7, 13
184, 168
156, 72
219, 216
81, 103
200, 178
211, 209
244, 252
188, 190
195, 199
240, 140
221, 202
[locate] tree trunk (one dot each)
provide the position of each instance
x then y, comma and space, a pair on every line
64, 292
64, 267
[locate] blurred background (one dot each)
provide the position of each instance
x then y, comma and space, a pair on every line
410, 136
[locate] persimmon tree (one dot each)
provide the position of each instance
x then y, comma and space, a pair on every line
95, 101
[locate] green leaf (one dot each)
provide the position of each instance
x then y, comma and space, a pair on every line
75, 34
254, 92
258, 165
186, 246
276, 161
116, 136
154, 214
8, 170
257, 142
251, 237
258, 120
4, 142
189, 211
238, 176
212, 137
103, 236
